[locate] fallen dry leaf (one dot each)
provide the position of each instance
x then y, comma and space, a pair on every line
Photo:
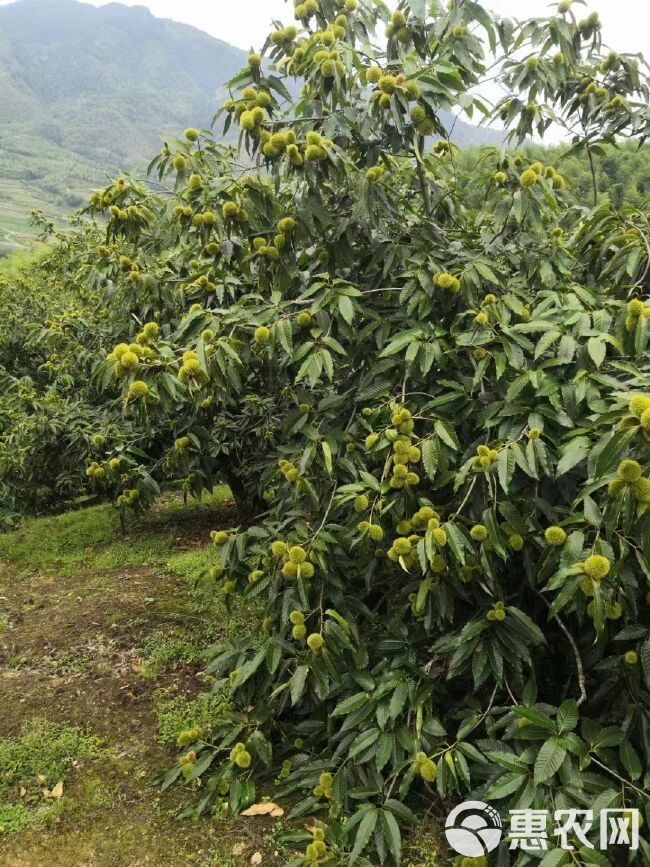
266, 809
238, 849
56, 792
40, 779
256, 859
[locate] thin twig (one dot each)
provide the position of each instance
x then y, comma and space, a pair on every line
593, 174
326, 515
574, 648
514, 700
618, 777
462, 505
641, 279
422, 177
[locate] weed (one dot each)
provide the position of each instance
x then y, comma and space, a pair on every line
43, 755
162, 648
14, 818
180, 713
39, 759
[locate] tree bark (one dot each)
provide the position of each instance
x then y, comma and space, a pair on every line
248, 502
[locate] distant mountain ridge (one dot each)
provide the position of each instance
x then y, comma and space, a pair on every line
107, 81
86, 91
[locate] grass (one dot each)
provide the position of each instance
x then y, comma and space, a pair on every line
161, 649
42, 756
33, 764
66, 542
102, 638
14, 818
178, 714
192, 566
62, 541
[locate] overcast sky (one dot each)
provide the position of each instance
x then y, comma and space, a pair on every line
245, 23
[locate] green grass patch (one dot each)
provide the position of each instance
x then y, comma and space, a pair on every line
43, 755
192, 564
161, 648
60, 540
205, 596
40, 758
14, 818
175, 511
178, 714
92, 535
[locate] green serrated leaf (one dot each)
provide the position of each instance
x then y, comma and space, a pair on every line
548, 761
430, 456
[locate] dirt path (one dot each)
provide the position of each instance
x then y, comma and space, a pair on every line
76, 644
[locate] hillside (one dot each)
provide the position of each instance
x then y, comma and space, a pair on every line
86, 91
103, 82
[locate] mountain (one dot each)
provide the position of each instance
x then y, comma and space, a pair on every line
104, 82
87, 91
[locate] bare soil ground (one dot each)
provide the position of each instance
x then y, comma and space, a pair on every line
73, 651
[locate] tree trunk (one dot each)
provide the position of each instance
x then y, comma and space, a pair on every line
249, 504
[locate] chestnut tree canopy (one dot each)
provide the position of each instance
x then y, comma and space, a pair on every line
428, 388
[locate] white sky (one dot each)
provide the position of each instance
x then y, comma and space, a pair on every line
245, 23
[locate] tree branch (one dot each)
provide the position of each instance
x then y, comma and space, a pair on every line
593, 174
422, 176
574, 648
